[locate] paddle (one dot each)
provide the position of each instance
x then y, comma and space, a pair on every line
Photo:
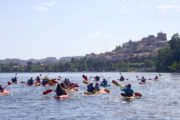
85, 77
74, 85
106, 90
121, 87
47, 92
9, 83
85, 82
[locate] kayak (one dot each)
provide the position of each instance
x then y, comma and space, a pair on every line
71, 90
128, 98
95, 93
142, 82
104, 85
61, 97
47, 85
6, 92
37, 84
156, 79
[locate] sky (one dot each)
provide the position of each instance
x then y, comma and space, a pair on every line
59, 28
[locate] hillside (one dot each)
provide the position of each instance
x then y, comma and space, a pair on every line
147, 46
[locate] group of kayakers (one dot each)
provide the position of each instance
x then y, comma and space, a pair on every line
65, 84
92, 89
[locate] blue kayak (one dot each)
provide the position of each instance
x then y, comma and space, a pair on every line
104, 85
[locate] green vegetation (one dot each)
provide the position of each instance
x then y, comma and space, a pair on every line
168, 58
78, 65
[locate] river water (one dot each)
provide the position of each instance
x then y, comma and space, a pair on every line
160, 100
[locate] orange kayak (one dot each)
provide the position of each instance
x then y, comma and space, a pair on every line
5, 92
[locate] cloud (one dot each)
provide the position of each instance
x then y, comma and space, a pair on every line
49, 4
45, 6
40, 8
168, 7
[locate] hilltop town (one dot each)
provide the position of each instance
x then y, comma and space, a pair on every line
147, 46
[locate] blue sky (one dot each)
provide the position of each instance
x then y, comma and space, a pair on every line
57, 28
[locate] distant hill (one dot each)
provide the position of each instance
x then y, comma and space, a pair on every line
147, 46
43, 61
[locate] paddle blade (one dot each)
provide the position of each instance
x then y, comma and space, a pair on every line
54, 81
150, 79
85, 77
74, 85
127, 79
115, 83
22, 82
9, 83
106, 90
137, 76
85, 82
75, 89
47, 92
138, 94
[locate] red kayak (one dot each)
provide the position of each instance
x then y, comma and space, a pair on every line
6, 92
62, 97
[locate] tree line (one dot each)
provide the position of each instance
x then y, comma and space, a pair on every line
80, 65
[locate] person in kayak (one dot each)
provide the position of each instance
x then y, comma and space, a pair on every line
30, 81
38, 80
156, 78
121, 78
97, 87
90, 88
143, 79
104, 82
63, 85
1, 88
127, 91
45, 81
59, 90
97, 78
14, 79
67, 83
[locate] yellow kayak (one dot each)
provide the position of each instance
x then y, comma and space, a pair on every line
128, 98
95, 93
71, 90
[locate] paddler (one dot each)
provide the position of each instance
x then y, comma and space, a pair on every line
97, 78
104, 82
143, 79
156, 78
30, 81
97, 87
45, 81
67, 83
38, 80
14, 79
90, 88
127, 91
59, 90
1, 88
121, 78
